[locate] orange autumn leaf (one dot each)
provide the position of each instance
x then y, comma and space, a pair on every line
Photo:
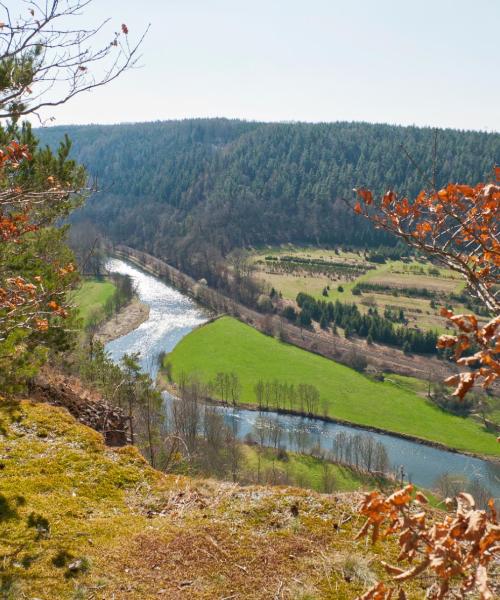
458, 226
448, 548
366, 195
401, 497
422, 498
41, 324
388, 199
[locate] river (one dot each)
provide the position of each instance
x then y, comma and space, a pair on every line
173, 315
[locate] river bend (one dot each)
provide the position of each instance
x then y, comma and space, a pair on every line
173, 315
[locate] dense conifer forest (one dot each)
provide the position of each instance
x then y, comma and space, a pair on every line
179, 188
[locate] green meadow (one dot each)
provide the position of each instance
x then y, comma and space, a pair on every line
303, 470
228, 345
91, 296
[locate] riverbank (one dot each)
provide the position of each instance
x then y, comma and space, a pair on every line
91, 297
344, 395
171, 387
124, 321
171, 316
337, 348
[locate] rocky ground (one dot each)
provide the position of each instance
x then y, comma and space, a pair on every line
85, 405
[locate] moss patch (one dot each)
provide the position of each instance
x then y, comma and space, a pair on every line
106, 525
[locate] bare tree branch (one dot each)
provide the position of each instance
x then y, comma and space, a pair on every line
38, 48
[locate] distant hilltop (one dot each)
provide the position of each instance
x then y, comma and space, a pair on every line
172, 187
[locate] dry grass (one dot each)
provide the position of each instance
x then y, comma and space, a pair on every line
398, 280
141, 535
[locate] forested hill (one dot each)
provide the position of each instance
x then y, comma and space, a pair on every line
172, 188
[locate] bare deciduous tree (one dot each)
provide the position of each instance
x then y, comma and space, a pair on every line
47, 56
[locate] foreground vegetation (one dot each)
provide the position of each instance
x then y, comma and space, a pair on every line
228, 345
82, 520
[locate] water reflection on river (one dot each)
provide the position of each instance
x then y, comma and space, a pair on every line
173, 315
422, 464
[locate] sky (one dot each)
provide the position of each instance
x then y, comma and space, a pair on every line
429, 62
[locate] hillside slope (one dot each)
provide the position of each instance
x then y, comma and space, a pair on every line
172, 188
118, 529
227, 345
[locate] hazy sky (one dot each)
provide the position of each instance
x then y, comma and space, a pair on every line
425, 62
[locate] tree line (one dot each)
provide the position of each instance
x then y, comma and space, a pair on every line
216, 184
198, 440
227, 386
372, 326
360, 451
411, 292
280, 395
271, 394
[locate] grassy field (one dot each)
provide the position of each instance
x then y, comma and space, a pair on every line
303, 471
394, 273
228, 345
92, 295
310, 472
